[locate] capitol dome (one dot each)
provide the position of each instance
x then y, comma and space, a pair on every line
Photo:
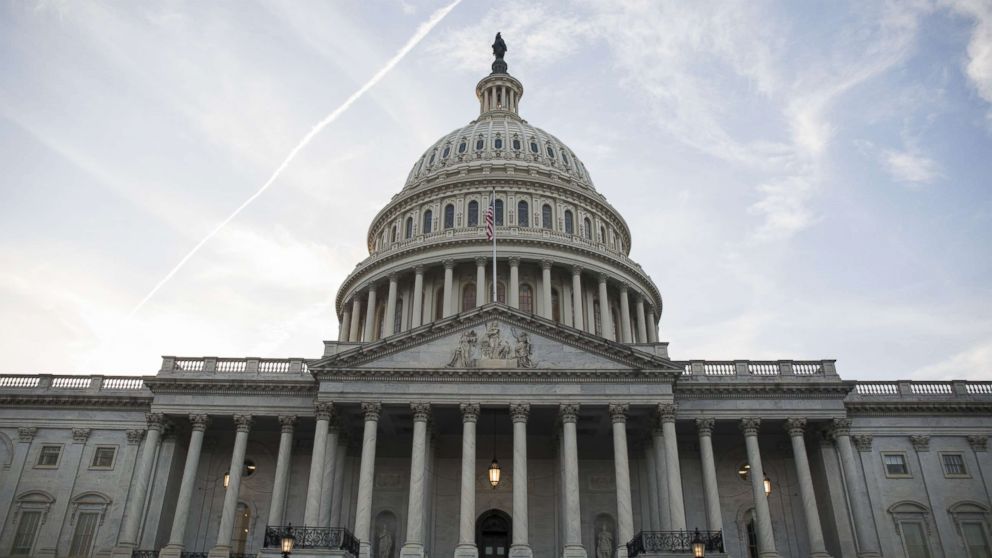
562, 251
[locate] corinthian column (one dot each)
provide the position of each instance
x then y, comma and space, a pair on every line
139, 486
389, 320
175, 547
311, 515
449, 279
625, 517
416, 313
520, 547
414, 546
605, 317
330, 469
370, 316
857, 491
546, 289
713, 517
573, 518
676, 506
287, 424
363, 513
466, 519
514, 287
223, 549
796, 427
356, 316
762, 519
642, 329
625, 334
480, 282
577, 297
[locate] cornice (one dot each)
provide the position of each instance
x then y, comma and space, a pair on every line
490, 376
73, 401
231, 386
798, 389
894, 408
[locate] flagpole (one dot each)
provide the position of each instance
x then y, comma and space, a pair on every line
492, 202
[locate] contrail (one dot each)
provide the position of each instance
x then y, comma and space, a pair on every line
422, 32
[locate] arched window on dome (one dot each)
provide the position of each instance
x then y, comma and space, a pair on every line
597, 315
480, 143
468, 297
393, 237
555, 305
409, 228
523, 214
587, 228
602, 234
533, 147
433, 155
501, 292
551, 151
398, 316
446, 152
449, 216
428, 221
616, 323
546, 221
569, 223
462, 146
473, 213
439, 303
516, 143
499, 212
564, 158
380, 321
498, 143
526, 298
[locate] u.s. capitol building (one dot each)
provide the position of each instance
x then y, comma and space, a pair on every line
549, 422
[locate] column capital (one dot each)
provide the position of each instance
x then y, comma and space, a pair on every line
666, 412
449, 264
26, 433
80, 435
576, 270
156, 421
470, 412
603, 278
418, 269
978, 442
624, 287
519, 412
618, 412
243, 422
750, 426
795, 426
371, 410
546, 263
863, 441
134, 437
394, 277
421, 411
569, 412
514, 261
323, 410
481, 261
920, 443
370, 286
288, 423
841, 427
705, 426
199, 422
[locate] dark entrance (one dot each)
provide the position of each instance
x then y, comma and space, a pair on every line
492, 534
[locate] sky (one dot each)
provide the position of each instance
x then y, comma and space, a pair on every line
802, 180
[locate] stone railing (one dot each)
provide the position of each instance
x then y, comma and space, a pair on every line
922, 390
80, 384
757, 368
246, 366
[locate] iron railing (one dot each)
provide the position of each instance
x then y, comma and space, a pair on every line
673, 541
331, 538
154, 554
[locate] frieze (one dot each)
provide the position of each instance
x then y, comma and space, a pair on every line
490, 350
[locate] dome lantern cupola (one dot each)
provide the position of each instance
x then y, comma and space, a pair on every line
499, 92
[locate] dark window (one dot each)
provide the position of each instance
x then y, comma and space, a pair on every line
501, 293
516, 144
569, 225
546, 216
895, 464
103, 458
398, 316
393, 234
498, 143
597, 317
431, 162
551, 152
468, 297
473, 213
462, 147
602, 234
499, 213
479, 144
526, 299
533, 147
49, 456
564, 158
449, 216
522, 218
428, 221
752, 540
409, 227
555, 306
439, 304
587, 229
954, 464
446, 152
27, 527
82, 537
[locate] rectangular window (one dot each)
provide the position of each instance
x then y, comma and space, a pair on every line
27, 526
103, 457
82, 537
976, 540
953, 465
895, 465
49, 456
915, 540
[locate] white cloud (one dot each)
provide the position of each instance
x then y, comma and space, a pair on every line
979, 67
906, 166
973, 363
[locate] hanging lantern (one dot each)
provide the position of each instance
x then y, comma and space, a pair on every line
698, 546
768, 486
227, 479
494, 473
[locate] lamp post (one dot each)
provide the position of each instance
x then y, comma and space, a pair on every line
698, 546
287, 542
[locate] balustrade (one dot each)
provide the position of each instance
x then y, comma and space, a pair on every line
324, 538
673, 541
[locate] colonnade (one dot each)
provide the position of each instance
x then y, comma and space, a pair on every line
326, 466
637, 317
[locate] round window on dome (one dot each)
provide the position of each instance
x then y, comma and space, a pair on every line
498, 143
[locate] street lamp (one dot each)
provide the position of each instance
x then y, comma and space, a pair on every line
287, 542
698, 546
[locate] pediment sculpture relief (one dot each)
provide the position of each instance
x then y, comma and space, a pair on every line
491, 350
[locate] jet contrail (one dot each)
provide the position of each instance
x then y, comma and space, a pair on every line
422, 32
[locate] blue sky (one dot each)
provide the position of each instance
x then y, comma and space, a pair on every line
802, 180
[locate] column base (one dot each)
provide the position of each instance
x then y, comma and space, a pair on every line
220, 551
121, 551
520, 551
574, 551
870, 554
364, 549
171, 551
811, 555
466, 551
769, 555
620, 552
412, 550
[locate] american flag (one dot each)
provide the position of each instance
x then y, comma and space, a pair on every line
490, 231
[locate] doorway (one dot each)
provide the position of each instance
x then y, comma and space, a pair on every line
492, 534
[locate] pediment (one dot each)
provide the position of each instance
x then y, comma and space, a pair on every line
495, 337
